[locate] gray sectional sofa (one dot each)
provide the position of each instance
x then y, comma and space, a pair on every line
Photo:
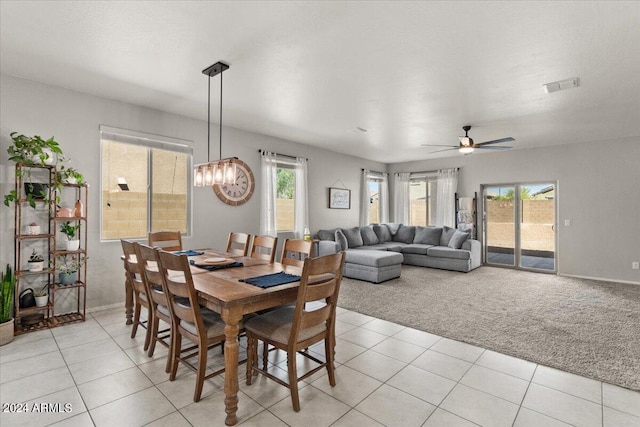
375, 252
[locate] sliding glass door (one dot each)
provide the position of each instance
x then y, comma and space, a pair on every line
519, 226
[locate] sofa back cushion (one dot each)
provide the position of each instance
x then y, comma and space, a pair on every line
369, 236
341, 240
354, 238
327, 235
428, 235
405, 234
447, 234
458, 238
393, 227
383, 233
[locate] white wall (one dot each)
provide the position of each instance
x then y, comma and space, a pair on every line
598, 190
73, 118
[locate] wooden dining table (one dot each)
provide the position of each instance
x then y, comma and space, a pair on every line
222, 292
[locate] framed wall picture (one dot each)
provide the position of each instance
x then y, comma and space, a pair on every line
339, 198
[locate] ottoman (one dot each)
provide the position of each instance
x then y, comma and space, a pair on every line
372, 266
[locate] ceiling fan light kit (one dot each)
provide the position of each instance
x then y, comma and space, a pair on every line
221, 171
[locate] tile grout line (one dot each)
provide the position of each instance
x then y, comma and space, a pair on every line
524, 395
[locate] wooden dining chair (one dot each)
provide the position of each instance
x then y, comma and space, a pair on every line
238, 243
264, 247
140, 291
294, 329
200, 325
166, 240
295, 251
150, 273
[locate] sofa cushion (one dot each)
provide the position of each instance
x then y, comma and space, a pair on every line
373, 258
447, 252
393, 227
354, 239
447, 234
405, 234
416, 248
342, 240
428, 235
383, 233
369, 236
458, 238
327, 234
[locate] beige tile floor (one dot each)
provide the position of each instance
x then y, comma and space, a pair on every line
387, 375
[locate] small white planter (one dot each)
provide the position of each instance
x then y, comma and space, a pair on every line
42, 301
73, 245
70, 180
35, 266
32, 230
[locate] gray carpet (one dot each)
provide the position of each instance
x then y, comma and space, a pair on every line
587, 327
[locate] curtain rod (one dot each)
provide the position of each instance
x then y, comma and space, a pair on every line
374, 171
435, 171
283, 155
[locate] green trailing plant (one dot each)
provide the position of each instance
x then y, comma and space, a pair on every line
7, 282
33, 151
36, 257
69, 230
69, 174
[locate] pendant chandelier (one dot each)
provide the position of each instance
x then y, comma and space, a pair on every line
221, 171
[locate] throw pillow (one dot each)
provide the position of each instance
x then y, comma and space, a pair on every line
341, 239
405, 234
354, 238
327, 234
382, 232
428, 235
458, 238
447, 234
368, 235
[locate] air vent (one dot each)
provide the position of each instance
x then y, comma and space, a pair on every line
358, 129
561, 85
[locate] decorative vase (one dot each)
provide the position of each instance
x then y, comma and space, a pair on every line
68, 278
35, 266
42, 301
73, 245
32, 230
6, 332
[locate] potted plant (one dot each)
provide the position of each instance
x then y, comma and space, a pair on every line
70, 230
36, 262
7, 287
41, 296
33, 229
68, 268
69, 176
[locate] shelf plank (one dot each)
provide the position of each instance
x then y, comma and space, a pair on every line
22, 273
60, 286
34, 236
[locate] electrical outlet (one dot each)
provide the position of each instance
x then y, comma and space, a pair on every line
635, 265
567, 222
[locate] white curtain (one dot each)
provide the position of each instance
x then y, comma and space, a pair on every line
365, 198
268, 194
401, 198
445, 197
384, 198
301, 209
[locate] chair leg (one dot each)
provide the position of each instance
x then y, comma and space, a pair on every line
172, 344
250, 356
136, 320
293, 380
265, 355
328, 354
202, 367
147, 336
176, 349
154, 335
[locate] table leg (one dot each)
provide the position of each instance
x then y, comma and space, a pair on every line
231, 318
128, 300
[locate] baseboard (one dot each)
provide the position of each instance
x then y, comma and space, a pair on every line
105, 307
604, 279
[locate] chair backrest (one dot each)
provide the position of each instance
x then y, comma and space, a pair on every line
238, 243
320, 280
166, 240
178, 284
294, 252
264, 247
131, 267
150, 272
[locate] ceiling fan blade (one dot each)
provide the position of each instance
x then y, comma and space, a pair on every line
436, 145
446, 149
502, 147
496, 141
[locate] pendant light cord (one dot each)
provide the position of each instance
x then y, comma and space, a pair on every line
209, 119
221, 73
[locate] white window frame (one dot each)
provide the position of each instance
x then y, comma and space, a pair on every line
426, 177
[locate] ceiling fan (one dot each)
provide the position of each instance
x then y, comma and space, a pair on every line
467, 145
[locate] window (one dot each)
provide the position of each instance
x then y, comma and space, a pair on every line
374, 199
285, 197
422, 199
146, 184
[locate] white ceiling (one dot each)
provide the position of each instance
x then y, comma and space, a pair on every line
411, 73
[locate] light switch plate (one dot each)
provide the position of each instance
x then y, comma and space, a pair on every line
567, 222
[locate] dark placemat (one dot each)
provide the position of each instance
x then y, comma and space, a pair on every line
269, 280
210, 267
189, 252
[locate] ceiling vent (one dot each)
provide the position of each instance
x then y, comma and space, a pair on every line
561, 85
